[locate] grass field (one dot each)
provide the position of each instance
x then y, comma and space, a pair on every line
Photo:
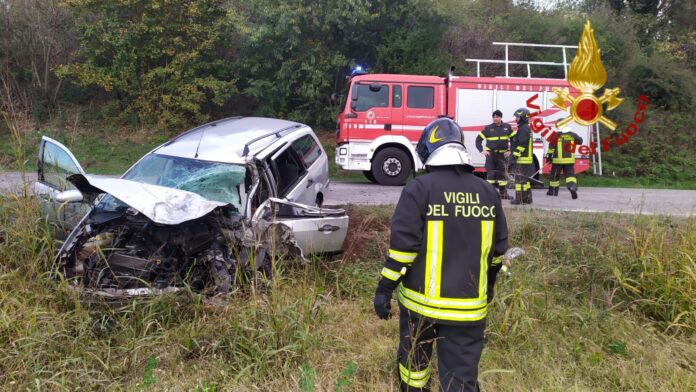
600, 302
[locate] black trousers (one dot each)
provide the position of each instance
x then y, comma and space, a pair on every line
522, 174
459, 350
496, 169
555, 175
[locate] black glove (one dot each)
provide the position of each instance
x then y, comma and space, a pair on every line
382, 302
512, 161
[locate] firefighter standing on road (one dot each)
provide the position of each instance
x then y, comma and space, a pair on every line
562, 157
497, 149
448, 234
522, 161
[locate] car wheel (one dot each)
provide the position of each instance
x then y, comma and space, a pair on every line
369, 176
391, 166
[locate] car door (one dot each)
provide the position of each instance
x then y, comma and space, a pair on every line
316, 162
316, 230
56, 163
290, 175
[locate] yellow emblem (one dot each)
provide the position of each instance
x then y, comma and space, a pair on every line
433, 139
587, 74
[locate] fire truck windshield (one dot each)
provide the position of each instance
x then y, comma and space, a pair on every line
366, 96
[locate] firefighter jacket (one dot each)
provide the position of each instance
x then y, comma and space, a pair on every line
562, 150
521, 144
497, 137
447, 235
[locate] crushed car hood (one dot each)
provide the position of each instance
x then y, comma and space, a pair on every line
160, 204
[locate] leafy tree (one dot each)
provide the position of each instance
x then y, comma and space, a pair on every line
166, 60
298, 52
35, 39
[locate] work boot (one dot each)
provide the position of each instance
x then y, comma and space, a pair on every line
528, 196
550, 192
573, 188
555, 190
518, 198
503, 192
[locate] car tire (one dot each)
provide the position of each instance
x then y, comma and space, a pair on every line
391, 166
369, 176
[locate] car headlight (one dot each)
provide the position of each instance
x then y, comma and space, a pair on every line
343, 151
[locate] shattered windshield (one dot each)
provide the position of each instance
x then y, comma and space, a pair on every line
213, 180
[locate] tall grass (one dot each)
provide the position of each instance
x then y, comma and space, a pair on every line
600, 302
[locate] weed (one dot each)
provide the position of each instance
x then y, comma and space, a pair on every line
307, 378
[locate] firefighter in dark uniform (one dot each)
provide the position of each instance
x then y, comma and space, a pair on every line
561, 155
496, 151
522, 162
448, 234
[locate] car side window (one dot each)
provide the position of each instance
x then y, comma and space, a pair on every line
308, 149
57, 166
396, 96
420, 97
288, 170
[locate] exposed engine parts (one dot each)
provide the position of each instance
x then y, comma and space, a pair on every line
127, 254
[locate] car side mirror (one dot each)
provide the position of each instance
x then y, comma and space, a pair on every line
71, 196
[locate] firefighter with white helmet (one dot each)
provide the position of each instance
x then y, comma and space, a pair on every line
448, 234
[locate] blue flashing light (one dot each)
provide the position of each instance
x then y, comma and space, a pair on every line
358, 70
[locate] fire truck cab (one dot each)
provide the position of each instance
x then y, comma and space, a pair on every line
385, 114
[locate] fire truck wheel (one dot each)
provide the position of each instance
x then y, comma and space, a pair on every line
369, 176
391, 166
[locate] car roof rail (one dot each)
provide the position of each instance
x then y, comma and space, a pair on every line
210, 124
276, 133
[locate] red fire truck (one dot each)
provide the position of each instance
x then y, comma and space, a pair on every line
385, 114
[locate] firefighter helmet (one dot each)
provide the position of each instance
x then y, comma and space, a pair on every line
522, 115
442, 143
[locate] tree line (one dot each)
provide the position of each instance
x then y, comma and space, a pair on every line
172, 64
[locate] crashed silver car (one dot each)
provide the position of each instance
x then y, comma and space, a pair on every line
223, 200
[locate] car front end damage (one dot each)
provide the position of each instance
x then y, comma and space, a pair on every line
161, 239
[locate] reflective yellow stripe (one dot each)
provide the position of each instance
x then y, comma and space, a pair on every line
402, 257
571, 179
502, 183
391, 274
433, 259
498, 138
482, 136
517, 154
486, 241
414, 374
442, 314
456, 303
520, 148
555, 183
497, 260
492, 181
526, 186
518, 187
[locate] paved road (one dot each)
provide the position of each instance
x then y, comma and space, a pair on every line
621, 200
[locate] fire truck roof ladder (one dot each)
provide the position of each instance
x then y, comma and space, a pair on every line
507, 60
